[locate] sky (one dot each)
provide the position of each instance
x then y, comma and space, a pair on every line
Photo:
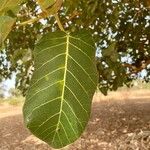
8, 84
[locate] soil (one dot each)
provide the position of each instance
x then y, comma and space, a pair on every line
120, 121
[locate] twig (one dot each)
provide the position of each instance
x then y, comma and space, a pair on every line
58, 22
30, 21
52, 10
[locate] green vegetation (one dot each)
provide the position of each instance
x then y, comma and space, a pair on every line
57, 82
1, 101
15, 101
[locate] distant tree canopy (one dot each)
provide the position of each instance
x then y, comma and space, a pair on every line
120, 28
14, 92
2, 90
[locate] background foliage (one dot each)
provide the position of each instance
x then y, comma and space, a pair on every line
120, 28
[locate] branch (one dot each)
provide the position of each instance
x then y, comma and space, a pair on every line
30, 21
52, 10
58, 22
74, 14
135, 69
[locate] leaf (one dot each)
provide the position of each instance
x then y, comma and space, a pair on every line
6, 5
50, 6
104, 90
6, 24
46, 3
110, 50
58, 102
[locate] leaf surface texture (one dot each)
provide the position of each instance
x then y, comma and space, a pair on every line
58, 102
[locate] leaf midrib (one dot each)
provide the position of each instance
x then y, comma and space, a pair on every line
64, 84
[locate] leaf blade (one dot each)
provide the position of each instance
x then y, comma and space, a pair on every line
6, 24
67, 78
46, 3
6, 5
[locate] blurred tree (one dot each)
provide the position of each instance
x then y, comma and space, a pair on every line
15, 92
2, 91
120, 28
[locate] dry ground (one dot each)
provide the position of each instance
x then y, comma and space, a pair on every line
119, 122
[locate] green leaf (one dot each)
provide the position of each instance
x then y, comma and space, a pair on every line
104, 90
6, 24
50, 6
58, 102
6, 5
110, 50
46, 3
